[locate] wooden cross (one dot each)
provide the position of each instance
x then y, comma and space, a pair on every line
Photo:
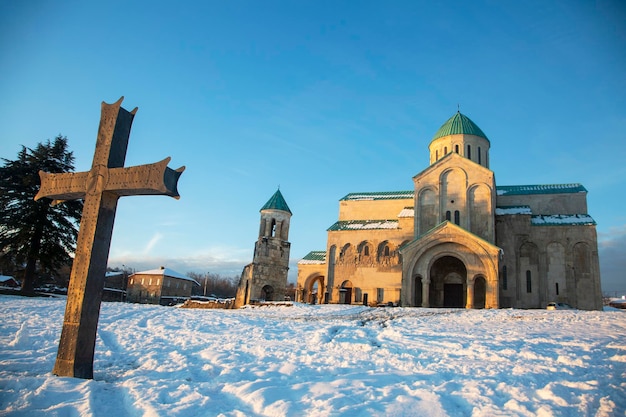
101, 187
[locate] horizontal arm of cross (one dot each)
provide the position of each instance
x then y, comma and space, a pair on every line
63, 186
149, 179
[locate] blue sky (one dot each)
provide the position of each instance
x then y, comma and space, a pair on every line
322, 99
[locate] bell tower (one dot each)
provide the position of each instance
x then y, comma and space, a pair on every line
265, 279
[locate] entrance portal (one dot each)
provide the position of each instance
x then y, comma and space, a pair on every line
267, 293
448, 277
345, 293
453, 295
480, 290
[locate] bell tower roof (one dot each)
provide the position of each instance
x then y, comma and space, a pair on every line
459, 124
277, 202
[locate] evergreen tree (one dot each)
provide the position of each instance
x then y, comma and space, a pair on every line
34, 235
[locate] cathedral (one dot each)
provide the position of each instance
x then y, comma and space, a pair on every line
458, 240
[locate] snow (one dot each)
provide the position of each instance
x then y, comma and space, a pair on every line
501, 211
327, 360
557, 219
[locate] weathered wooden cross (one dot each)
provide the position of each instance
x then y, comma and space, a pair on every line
101, 187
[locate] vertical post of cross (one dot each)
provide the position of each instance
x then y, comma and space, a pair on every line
101, 188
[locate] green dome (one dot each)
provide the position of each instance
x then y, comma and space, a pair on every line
277, 202
459, 124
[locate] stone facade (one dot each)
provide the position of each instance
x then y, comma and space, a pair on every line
458, 240
265, 279
159, 286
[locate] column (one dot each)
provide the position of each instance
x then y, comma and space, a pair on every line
470, 294
425, 292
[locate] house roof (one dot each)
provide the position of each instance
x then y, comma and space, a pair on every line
277, 202
314, 257
363, 225
540, 189
459, 124
166, 272
380, 195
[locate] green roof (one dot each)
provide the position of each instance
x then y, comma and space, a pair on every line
363, 225
315, 256
382, 195
459, 124
277, 202
540, 189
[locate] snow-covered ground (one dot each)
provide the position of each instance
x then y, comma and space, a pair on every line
318, 361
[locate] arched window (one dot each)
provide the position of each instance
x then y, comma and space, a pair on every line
469, 152
386, 251
457, 217
456, 148
557, 288
479, 154
448, 215
436, 155
529, 284
366, 251
445, 150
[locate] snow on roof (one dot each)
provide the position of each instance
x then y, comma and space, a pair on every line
363, 225
540, 189
407, 212
5, 278
563, 220
506, 210
166, 272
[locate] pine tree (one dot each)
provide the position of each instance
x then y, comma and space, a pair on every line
34, 235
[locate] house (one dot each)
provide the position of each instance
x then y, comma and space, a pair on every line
456, 239
8, 281
114, 286
159, 286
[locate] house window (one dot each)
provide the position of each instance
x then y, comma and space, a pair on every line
505, 279
386, 251
142, 281
380, 294
436, 155
457, 217
529, 284
448, 216
184, 286
150, 281
366, 251
469, 152
456, 148
445, 150
479, 154
557, 288
158, 281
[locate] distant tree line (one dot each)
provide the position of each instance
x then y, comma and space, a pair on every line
212, 284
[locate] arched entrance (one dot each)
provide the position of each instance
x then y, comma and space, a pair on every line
315, 290
267, 293
417, 299
448, 277
480, 292
345, 293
